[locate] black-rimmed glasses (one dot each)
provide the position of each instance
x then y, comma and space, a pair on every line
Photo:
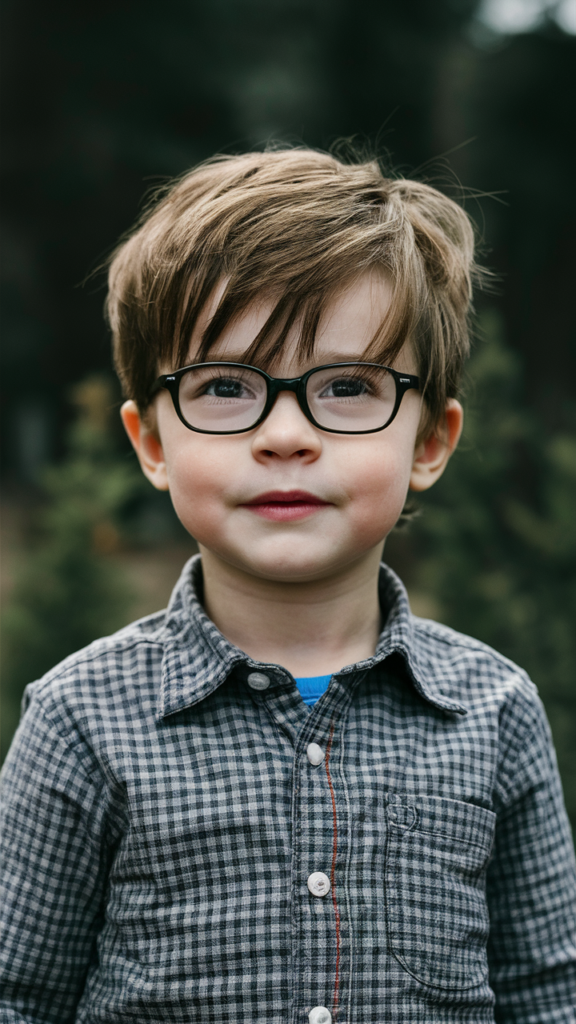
231, 398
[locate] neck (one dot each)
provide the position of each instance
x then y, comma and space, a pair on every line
312, 628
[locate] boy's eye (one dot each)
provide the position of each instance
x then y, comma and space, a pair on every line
228, 387
345, 387
207, 383
221, 399
357, 399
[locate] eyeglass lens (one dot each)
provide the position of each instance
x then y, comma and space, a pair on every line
358, 397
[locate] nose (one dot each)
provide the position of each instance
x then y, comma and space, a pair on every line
286, 432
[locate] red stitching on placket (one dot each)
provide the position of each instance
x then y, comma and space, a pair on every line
332, 878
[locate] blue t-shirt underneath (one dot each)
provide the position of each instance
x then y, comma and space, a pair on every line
312, 687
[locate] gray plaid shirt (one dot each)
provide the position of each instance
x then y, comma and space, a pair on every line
184, 840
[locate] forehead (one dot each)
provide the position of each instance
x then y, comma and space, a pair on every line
350, 319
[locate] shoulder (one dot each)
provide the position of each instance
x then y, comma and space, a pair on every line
449, 664
470, 669
449, 643
500, 700
109, 679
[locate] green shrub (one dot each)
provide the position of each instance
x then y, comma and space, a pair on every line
69, 591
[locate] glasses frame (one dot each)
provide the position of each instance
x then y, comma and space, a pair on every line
275, 385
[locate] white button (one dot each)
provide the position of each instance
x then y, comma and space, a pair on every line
319, 883
315, 754
258, 681
320, 1015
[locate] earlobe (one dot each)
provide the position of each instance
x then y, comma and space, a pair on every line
146, 445
432, 455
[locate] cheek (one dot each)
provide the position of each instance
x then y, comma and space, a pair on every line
196, 479
380, 485
196, 464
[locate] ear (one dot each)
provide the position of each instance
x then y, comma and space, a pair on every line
431, 456
146, 444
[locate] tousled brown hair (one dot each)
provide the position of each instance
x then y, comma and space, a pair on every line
292, 224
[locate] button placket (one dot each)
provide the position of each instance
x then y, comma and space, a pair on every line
316, 919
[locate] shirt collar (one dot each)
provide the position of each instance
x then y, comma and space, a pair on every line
198, 658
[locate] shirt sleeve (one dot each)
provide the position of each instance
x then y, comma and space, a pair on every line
531, 885
54, 868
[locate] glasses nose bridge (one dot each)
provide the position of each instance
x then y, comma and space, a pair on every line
294, 384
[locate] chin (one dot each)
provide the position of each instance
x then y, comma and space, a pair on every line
292, 567
296, 572
282, 568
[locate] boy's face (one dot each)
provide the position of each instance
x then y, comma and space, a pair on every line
357, 483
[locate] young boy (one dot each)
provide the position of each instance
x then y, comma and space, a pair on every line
285, 798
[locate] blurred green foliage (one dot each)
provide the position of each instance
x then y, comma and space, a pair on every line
69, 591
496, 543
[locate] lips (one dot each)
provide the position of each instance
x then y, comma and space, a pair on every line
285, 506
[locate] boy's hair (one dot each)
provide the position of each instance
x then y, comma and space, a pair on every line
293, 225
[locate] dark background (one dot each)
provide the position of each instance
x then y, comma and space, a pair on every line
100, 103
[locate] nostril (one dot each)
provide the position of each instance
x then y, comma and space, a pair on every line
301, 453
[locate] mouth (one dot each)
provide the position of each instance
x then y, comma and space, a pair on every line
285, 506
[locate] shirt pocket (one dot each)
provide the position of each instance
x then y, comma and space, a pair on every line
437, 918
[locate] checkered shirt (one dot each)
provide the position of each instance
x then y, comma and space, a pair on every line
162, 820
